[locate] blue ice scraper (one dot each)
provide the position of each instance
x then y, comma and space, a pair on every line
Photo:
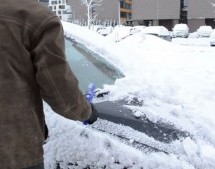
89, 96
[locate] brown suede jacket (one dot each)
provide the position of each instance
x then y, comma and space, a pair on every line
32, 67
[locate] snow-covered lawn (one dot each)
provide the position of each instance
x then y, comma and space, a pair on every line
176, 84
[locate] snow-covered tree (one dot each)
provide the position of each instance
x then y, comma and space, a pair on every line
91, 13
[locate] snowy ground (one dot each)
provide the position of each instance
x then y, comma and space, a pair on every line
176, 84
192, 41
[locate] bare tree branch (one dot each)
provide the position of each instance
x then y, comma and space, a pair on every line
90, 5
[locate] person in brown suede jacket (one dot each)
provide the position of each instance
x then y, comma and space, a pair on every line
32, 67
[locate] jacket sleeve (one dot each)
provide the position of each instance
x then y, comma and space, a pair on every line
58, 85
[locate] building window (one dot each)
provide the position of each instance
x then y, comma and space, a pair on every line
54, 2
61, 6
126, 15
121, 4
127, 6
123, 14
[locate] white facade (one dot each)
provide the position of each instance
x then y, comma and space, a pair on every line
61, 9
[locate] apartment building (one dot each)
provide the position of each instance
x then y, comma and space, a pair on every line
61, 8
156, 12
200, 12
126, 11
79, 11
115, 11
147, 12
170, 12
150, 12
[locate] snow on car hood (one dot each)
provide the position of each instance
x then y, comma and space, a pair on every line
175, 83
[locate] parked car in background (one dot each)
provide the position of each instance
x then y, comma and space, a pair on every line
140, 27
159, 31
136, 29
212, 38
133, 30
96, 27
104, 30
180, 30
204, 31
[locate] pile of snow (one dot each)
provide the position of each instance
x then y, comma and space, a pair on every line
71, 144
193, 35
157, 30
119, 33
145, 41
192, 40
176, 84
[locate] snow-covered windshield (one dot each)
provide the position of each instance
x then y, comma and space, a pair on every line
89, 67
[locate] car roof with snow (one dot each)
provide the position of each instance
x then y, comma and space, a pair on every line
205, 28
181, 26
157, 30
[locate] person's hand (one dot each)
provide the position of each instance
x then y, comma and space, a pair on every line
94, 116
